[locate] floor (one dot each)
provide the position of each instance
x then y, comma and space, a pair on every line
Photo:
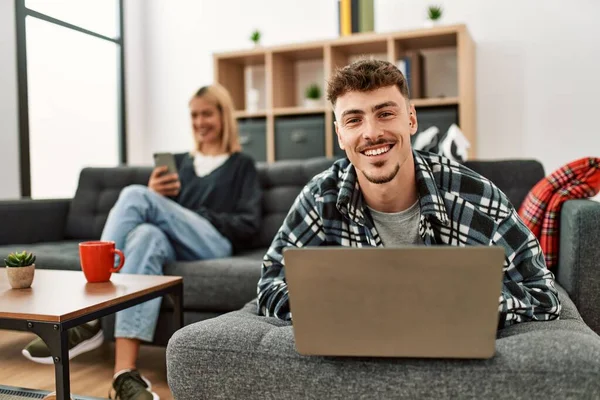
91, 373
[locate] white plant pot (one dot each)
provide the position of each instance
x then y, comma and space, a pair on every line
312, 103
20, 277
432, 23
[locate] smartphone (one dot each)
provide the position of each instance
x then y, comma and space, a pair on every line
168, 159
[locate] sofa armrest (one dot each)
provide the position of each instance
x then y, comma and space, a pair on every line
579, 257
31, 221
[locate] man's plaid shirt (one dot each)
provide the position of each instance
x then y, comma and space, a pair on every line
458, 208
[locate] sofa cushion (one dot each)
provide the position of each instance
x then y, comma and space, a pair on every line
281, 183
97, 192
256, 254
50, 255
224, 284
514, 177
165, 326
242, 355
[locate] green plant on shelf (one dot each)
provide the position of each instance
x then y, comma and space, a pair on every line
434, 12
15, 260
313, 92
255, 37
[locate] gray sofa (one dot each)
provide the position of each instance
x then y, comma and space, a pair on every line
240, 355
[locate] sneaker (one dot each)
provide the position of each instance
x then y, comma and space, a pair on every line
130, 385
83, 338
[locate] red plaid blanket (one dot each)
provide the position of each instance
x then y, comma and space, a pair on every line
541, 208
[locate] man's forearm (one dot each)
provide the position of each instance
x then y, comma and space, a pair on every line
273, 296
532, 300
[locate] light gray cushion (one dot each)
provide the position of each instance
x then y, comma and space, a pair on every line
165, 327
240, 355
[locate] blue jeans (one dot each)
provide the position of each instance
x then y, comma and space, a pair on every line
153, 230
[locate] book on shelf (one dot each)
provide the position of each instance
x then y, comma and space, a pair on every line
355, 16
404, 65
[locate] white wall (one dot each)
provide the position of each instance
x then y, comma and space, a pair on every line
180, 38
537, 64
537, 61
10, 185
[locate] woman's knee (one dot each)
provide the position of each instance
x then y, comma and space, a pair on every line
146, 249
146, 234
148, 238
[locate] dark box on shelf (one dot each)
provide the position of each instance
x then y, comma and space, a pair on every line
253, 137
299, 137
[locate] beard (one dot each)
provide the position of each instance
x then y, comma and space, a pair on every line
381, 179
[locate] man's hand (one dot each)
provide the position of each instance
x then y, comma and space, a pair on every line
165, 184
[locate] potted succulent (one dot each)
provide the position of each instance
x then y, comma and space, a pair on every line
434, 14
255, 38
312, 95
20, 268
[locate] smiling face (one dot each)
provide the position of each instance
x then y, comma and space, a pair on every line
374, 128
206, 122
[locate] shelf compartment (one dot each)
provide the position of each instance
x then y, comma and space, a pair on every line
431, 73
431, 41
240, 73
361, 46
293, 71
344, 53
441, 117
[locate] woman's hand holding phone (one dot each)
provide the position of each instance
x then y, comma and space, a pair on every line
164, 183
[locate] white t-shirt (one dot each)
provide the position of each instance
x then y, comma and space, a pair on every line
205, 164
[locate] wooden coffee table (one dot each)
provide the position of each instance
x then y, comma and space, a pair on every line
59, 300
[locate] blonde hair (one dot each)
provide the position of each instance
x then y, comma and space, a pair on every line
219, 96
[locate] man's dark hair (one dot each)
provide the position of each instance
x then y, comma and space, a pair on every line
364, 76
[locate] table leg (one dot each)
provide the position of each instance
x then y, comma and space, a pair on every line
56, 338
176, 297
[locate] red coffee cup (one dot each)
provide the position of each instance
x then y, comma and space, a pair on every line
98, 260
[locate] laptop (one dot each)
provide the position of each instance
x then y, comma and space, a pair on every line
422, 301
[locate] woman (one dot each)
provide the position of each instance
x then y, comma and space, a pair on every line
210, 207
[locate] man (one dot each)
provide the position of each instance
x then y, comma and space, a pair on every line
386, 194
